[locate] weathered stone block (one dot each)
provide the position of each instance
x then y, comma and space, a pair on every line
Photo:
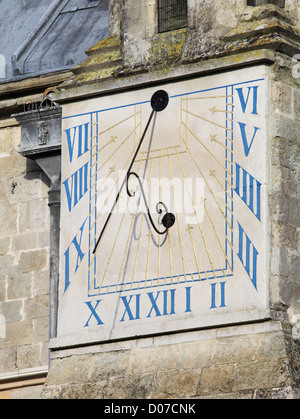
6, 142
44, 353
261, 375
40, 282
8, 219
109, 364
70, 370
7, 359
4, 245
131, 387
2, 288
285, 235
279, 261
41, 329
282, 98
27, 356
25, 189
19, 334
194, 355
233, 350
297, 103
19, 286
295, 267
294, 212
217, 380
53, 392
280, 207
285, 128
270, 346
24, 242
84, 391
176, 384
275, 394
143, 361
32, 393
32, 261
9, 166
7, 265
33, 215
12, 311
44, 239
36, 307
5, 186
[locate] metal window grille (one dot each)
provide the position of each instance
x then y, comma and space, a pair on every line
280, 3
172, 14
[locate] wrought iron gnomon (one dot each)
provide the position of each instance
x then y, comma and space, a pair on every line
159, 102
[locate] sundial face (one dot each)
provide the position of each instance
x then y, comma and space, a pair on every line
203, 159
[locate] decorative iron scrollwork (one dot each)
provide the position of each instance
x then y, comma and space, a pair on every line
159, 102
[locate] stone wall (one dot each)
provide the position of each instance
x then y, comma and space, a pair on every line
234, 362
285, 192
209, 22
24, 266
251, 361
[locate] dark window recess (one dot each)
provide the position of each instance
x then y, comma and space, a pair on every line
172, 14
280, 3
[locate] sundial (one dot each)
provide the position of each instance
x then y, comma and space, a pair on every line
164, 208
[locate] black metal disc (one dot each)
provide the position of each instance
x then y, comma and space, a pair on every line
160, 100
168, 220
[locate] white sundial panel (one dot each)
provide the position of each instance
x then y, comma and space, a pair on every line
204, 159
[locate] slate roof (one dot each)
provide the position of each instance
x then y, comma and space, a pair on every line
44, 36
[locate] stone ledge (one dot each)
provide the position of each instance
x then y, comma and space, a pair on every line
23, 378
240, 364
137, 77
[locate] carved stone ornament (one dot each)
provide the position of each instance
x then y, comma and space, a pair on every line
43, 130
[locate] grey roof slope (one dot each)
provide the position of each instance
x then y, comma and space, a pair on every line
44, 36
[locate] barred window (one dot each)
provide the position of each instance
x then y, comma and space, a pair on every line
172, 14
280, 3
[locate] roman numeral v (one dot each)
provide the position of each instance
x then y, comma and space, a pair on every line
247, 145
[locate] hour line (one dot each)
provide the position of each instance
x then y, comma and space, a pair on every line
205, 180
133, 216
117, 149
216, 110
149, 235
212, 173
140, 235
199, 225
218, 238
112, 140
207, 120
189, 230
119, 123
160, 172
214, 138
217, 160
207, 97
178, 226
115, 241
128, 239
111, 190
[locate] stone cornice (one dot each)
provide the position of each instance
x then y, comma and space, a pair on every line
136, 77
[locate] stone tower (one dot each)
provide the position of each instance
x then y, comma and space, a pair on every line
175, 272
